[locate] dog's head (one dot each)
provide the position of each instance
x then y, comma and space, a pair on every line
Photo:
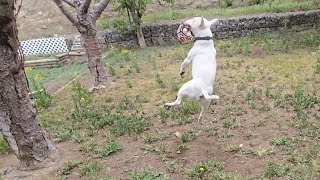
195, 27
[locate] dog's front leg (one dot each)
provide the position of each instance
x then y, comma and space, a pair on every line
183, 65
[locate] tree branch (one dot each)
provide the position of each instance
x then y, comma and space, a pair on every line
66, 12
98, 8
69, 2
85, 5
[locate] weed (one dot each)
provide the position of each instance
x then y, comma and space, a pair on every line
225, 3
4, 147
112, 70
125, 103
263, 152
129, 125
68, 167
204, 170
212, 131
184, 138
141, 99
148, 138
110, 147
129, 84
163, 151
230, 124
174, 86
42, 97
82, 99
287, 143
65, 132
160, 81
190, 107
272, 169
147, 174
135, 66
164, 115
78, 137
101, 150
90, 169
317, 68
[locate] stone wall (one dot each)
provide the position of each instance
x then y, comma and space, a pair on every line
165, 33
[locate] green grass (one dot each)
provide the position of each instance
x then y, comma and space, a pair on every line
4, 147
62, 74
41, 56
146, 174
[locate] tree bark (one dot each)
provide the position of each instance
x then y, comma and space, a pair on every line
141, 40
136, 18
18, 120
95, 63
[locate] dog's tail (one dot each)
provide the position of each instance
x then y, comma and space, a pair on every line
207, 96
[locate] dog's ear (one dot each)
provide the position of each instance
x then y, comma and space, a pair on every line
214, 21
201, 23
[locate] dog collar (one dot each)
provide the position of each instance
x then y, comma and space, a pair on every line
203, 38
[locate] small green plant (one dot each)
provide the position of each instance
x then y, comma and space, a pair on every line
205, 170
272, 169
164, 115
65, 132
90, 169
184, 138
147, 174
230, 124
42, 97
125, 103
148, 138
109, 148
318, 65
160, 81
112, 70
129, 84
135, 66
82, 99
4, 147
68, 167
255, 2
190, 107
174, 86
225, 3
129, 125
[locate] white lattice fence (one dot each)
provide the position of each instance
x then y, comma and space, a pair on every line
44, 46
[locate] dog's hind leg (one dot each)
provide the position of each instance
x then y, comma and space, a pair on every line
207, 96
204, 103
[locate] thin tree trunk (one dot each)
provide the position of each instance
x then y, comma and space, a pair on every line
140, 36
95, 63
18, 120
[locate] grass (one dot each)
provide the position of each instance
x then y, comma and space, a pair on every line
41, 56
4, 147
146, 174
269, 89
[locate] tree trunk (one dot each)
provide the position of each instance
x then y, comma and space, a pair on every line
95, 63
140, 36
18, 120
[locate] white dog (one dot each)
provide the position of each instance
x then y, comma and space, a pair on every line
203, 59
